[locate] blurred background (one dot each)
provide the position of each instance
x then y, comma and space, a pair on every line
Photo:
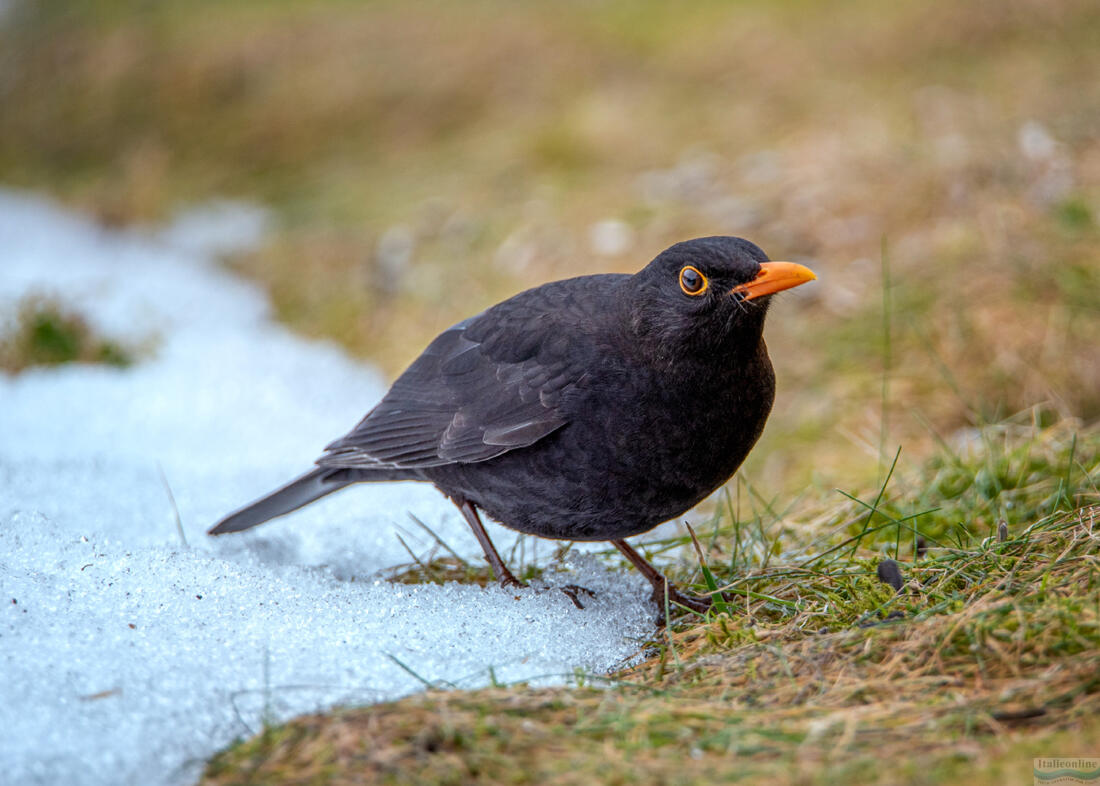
936, 163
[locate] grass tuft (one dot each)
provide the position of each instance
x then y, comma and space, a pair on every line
47, 333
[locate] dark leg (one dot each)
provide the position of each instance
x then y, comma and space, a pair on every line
661, 585
500, 570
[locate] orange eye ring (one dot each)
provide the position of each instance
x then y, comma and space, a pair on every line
693, 282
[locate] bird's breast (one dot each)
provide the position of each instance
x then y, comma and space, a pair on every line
676, 437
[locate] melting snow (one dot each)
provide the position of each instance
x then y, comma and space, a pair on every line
129, 656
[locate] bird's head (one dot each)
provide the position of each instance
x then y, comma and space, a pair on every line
707, 295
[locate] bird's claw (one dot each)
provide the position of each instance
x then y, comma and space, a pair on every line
572, 590
508, 580
700, 604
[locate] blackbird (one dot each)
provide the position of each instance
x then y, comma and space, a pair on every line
593, 408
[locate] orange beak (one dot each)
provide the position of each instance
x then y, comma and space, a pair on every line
774, 277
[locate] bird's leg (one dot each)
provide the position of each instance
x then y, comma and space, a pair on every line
504, 576
500, 570
662, 587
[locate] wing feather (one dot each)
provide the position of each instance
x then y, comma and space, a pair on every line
490, 384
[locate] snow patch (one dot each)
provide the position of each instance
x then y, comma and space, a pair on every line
130, 656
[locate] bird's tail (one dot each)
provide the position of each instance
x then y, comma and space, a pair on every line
298, 492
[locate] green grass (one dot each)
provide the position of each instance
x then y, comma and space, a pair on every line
817, 672
47, 333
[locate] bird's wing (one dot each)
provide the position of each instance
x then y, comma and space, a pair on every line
490, 384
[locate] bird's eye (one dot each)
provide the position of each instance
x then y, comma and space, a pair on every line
692, 281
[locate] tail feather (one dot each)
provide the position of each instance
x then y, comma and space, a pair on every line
298, 492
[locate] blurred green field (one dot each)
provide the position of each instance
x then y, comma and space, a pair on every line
426, 159
936, 163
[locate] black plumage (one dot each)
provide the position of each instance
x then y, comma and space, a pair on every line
592, 408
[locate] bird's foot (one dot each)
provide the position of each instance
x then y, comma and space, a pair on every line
573, 590
700, 604
665, 593
508, 580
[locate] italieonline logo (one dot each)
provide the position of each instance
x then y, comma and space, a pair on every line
1065, 771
